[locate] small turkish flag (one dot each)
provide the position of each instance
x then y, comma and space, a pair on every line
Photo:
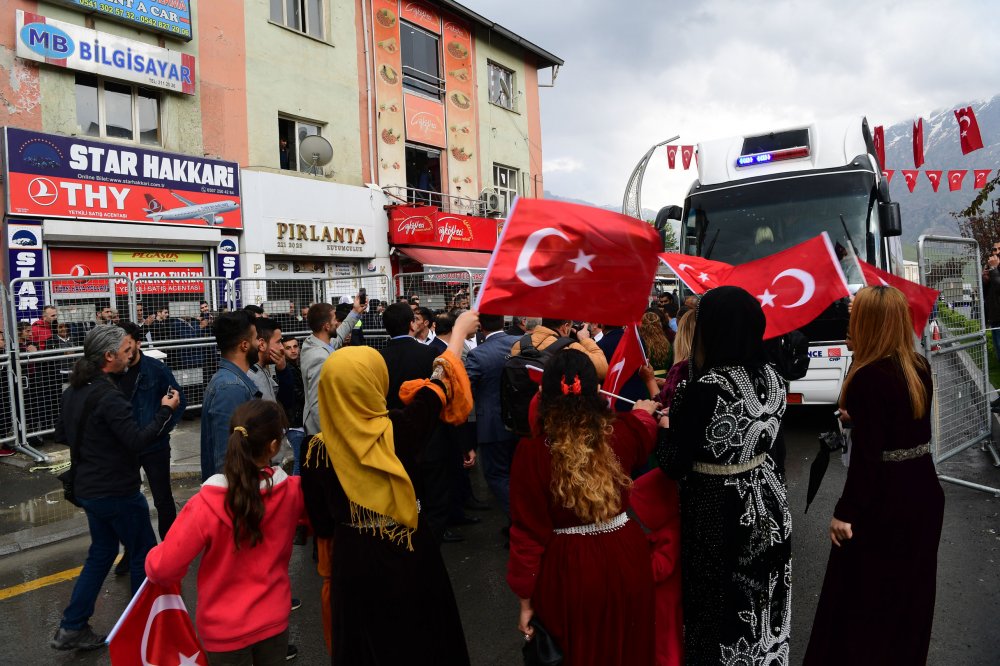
955, 179
629, 356
911, 177
686, 153
921, 299
968, 130
671, 156
934, 177
557, 259
918, 143
156, 629
699, 275
888, 174
794, 286
981, 176
879, 140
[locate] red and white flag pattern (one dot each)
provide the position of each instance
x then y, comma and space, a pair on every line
968, 130
156, 629
911, 178
934, 177
982, 175
918, 143
955, 179
699, 275
687, 152
671, 156
919, 298
888, 174
879, 139
629, 356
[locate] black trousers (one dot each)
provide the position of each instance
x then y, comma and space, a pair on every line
157, 467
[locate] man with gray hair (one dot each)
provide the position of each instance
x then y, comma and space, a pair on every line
96, 421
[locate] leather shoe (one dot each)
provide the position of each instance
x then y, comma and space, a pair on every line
77, 639
466, 520
451, 537
473, 504
292, 652
123, 565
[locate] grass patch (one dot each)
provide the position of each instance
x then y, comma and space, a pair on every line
959, 324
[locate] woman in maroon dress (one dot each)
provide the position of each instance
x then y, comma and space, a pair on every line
877, 603
579, 565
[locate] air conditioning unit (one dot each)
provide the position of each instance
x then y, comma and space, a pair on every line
490, 201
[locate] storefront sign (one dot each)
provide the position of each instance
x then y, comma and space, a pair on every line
320, 237
168, 17
227, 265
74, 47
154, 272
429, 227
24, 261
59, 176
422, 14
424, 120
80, 264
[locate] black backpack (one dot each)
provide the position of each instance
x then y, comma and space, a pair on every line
516, 387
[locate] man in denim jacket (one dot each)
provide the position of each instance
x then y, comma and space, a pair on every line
230, 387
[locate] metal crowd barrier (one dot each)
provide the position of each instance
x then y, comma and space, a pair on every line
438, 290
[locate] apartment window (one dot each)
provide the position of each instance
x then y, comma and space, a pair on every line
501, 86
421, 68
423, 174
290, 135
505, 184
302, 15
112, 110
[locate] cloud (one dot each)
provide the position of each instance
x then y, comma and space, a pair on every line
561, 165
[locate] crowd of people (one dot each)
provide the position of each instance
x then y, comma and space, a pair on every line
655, 532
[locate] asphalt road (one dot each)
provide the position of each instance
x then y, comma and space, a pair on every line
967, 611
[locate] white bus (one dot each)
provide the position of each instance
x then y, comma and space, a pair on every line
761, 193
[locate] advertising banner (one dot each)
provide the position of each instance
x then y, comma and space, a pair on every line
227, 259
158, 271
74, 47
429, 227
60, 176
79, 264
24, 261
424, 120
167, 17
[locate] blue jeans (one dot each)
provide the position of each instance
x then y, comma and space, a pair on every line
295, 438
112, 520
497, 458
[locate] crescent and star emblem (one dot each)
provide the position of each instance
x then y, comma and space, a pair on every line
964, 119
808, 288
523, 268
164, 603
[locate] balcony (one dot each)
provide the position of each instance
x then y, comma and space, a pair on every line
446, 203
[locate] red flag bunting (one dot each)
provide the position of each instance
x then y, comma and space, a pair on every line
918, 143
955, 179
671, 156
888, 174
557, 259
935, 178
911, 177
699, 275
156, 629
968, 130
920, 299
982, 175
879, 140
629, 356
686, 153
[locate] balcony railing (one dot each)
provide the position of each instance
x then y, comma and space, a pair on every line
447, 203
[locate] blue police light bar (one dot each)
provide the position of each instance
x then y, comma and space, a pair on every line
772, 156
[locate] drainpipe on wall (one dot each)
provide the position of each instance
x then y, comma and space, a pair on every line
368, 95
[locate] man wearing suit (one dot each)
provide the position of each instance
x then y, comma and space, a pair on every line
633, 388
496, 444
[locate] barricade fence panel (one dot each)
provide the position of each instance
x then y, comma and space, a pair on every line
286, 300
959, 360
437, 290
8, 333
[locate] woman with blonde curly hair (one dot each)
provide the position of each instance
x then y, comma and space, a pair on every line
655, 340
576, 560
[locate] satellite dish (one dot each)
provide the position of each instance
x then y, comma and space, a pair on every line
315, 151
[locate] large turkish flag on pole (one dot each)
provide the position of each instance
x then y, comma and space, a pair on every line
968, 130
699, 275
629, 356
557, 259
156, 629
920, 298
793, 286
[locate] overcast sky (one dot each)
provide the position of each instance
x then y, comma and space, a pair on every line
638, 72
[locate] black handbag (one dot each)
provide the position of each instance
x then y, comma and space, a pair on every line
541, 650
68, 478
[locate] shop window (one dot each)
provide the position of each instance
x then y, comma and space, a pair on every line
505, 181
108, 109
423, 175
290, 135
501, 86
421, 61
302, 15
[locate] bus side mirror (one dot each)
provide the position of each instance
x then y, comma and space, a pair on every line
890, 219
667, 213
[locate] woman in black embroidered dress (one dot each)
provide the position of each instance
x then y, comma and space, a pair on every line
735, 524
877, 603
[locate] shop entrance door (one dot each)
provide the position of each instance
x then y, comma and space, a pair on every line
423, 175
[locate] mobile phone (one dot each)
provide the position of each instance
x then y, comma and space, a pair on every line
363, 296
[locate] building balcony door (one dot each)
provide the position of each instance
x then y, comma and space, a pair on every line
423, 175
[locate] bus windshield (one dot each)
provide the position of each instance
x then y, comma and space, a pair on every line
743, 222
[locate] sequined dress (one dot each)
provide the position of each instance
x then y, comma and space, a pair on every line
735, 525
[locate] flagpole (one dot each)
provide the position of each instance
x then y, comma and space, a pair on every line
627, 401
493, 256
128, 608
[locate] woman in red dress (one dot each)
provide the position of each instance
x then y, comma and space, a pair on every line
579, 565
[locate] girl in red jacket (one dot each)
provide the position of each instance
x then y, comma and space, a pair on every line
243, 522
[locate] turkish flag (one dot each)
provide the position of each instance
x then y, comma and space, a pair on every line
968, 130
686, 153
794, 286
879, 140
934, 177
629, 356
921, 299
981, 176
918, 143
699, 275
557, 259
671, 156
911, 177
888, 174
955, 179
156, 629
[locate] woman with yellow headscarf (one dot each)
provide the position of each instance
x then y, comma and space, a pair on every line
391, 600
